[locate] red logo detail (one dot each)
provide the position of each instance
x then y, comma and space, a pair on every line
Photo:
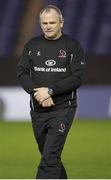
62, 53
62, 127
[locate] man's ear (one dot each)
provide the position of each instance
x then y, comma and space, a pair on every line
62, 23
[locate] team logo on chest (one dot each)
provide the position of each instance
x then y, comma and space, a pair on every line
62, 53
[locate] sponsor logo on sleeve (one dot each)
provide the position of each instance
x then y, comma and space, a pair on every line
62, 127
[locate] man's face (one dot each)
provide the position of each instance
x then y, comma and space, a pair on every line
51, 24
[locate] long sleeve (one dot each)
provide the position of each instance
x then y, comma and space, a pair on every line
77, 66
23, 72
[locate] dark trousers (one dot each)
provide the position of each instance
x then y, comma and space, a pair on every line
50, 130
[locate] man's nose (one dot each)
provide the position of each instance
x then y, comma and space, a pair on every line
48, 26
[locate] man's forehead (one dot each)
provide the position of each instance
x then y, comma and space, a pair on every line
51, 13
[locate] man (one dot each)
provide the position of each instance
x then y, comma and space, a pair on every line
50, 70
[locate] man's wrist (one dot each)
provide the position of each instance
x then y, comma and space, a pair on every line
50, 91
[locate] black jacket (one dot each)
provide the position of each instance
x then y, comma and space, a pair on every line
58, 64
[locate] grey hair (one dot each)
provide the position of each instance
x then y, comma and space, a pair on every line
48, 8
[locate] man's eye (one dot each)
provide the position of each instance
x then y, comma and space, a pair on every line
52, 23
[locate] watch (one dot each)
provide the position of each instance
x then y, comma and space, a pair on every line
50, 91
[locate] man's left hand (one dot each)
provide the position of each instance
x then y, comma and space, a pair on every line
41, 94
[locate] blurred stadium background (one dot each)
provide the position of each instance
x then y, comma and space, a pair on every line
89, 21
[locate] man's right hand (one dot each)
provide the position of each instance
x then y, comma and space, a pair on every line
48, 102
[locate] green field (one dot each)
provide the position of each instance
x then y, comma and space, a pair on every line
87, 153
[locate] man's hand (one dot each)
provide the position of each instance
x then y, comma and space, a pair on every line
41, 94
48, 102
